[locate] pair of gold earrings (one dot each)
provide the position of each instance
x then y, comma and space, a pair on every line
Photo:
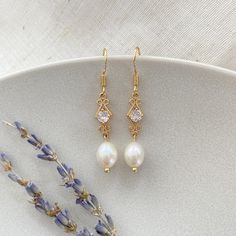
107, 154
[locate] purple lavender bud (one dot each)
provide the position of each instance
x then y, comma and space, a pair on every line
84, 232
78, 182
101, 229
3, 157
68, 215
43, 206
17, 179
62, 171
58, 223
110, 221
94, 200
36, 138
32, 189
32, 142
69, 184
69, 170
35, 141
46, 149
63, 219
84, 204
18, 125
78, 201
6, 163
48, 206
14, 177
77, 187
40, 206
66, 172
46, 157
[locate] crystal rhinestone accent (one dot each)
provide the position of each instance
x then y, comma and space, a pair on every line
136, 115
103, 116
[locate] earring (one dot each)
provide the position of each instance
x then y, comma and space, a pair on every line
134, 152
106, 153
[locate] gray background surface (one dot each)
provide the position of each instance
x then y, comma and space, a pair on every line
37, 32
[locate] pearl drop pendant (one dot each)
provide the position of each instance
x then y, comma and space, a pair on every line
107, 155
134, 155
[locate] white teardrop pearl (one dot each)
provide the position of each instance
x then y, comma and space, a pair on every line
107, 155
134, 155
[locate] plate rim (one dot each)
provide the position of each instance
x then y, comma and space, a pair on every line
177, 61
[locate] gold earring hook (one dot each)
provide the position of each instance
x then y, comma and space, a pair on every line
136, 52
105, 54
136, 76
104, 73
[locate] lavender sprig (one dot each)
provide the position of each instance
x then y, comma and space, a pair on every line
88, 201
61, 217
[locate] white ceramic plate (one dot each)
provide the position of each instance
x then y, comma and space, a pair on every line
187, 185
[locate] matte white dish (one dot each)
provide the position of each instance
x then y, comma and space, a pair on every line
187, 184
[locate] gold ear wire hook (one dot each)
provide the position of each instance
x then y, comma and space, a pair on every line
136, 77
104, 73
105, 54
